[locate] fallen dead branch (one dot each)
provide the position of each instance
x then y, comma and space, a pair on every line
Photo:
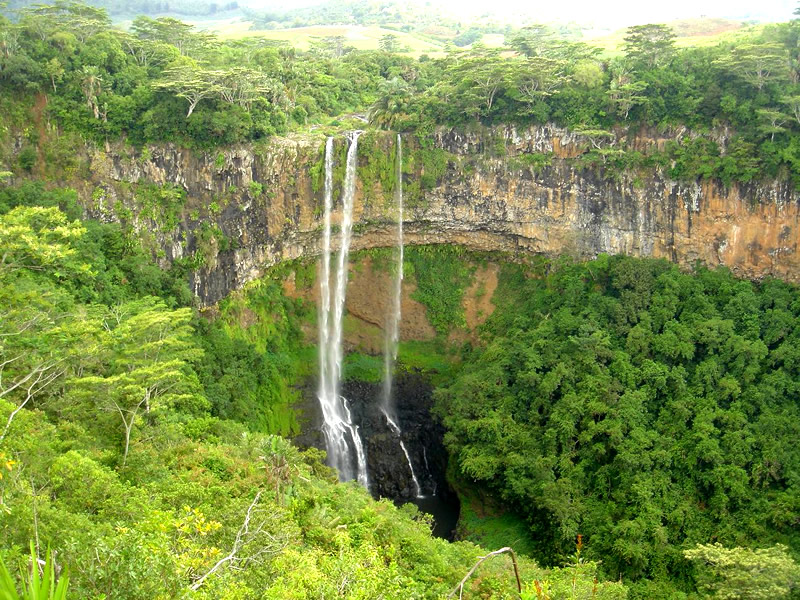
460, 587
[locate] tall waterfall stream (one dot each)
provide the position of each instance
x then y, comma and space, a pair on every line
341, 427
392, 329
341, 435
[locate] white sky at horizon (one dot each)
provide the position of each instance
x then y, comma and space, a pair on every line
610, 13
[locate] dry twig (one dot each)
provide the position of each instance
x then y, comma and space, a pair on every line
460, 587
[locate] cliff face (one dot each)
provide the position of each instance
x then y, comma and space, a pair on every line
247, 208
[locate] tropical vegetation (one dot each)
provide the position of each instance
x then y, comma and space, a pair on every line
632, 425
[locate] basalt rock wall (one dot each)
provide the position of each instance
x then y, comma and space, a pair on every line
248, 208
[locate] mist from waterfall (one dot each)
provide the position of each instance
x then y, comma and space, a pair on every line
341, 436
392, 330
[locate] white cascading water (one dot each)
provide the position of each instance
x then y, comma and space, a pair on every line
396, 429
392, 331
341, 436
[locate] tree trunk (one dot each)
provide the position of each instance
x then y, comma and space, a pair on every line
128, 428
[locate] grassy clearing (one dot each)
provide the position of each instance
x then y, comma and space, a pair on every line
361, 38
493, 40
689, 32
432, 357
363, 367
483, 522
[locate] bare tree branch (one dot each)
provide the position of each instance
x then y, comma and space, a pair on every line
24, 327
45, 375
244, 535
460, 587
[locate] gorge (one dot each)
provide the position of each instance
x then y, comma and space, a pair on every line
467, 254
500, 190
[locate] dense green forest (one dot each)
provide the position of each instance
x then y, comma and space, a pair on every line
136, 438
645, 408
166, 81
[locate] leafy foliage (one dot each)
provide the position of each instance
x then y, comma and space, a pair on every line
252, 354
441, 279
577, 581
744, 573
38, 586
639, 406
144, 353
167, 81
103, 82
38, 238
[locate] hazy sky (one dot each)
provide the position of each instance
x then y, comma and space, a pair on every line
628, 12
608, 13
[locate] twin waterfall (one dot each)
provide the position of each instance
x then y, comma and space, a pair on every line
345, 447
341, 436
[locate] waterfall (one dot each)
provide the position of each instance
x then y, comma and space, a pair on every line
341, 436
392, 330
396, 430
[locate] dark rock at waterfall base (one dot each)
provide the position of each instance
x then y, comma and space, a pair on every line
389, 472
390, 475
444, 510
309, 415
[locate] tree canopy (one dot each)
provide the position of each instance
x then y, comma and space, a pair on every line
643, 408
165, 80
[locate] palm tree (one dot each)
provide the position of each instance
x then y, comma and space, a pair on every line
392, 103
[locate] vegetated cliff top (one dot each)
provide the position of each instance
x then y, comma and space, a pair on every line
169, 81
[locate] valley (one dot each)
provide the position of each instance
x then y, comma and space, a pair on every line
506, 314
